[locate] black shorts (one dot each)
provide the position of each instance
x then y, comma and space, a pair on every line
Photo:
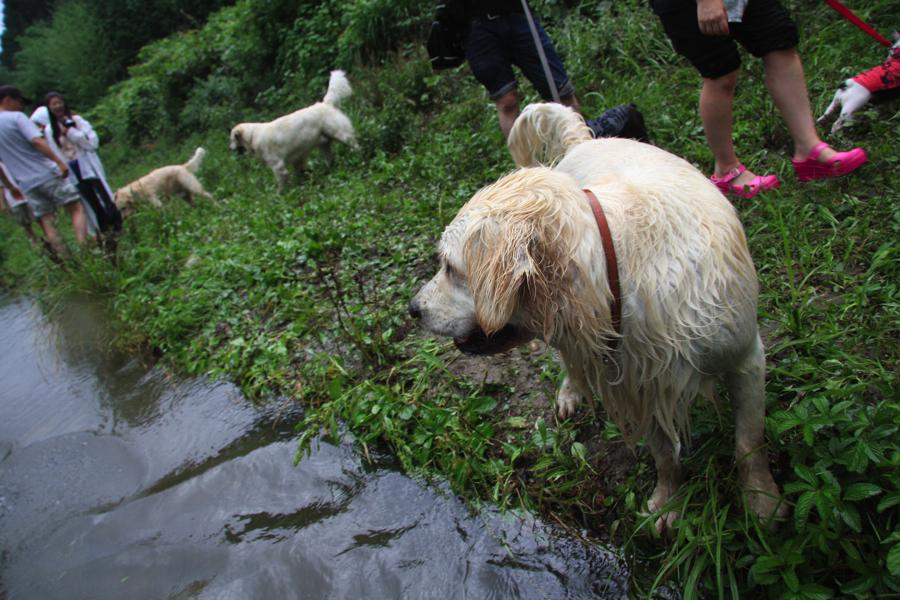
766, 27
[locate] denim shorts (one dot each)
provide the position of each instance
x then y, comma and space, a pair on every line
496, 43
44, 198
766, 27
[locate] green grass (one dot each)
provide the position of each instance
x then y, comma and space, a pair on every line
304, 296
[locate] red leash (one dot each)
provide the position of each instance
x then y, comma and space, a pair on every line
848, 14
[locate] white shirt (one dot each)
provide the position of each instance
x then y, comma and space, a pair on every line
28, 167
735, 10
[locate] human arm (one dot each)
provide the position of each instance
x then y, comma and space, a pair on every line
712, 17
13, 188
44, 148
83, 136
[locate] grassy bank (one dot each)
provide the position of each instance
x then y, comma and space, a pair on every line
304, 296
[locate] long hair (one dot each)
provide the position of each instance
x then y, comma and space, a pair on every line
54, 122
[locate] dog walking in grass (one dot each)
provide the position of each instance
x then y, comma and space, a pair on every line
173, 180
284, 144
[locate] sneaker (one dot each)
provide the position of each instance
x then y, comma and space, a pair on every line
624, 121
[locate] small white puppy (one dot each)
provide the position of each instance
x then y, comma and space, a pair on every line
855, 93
288, 140
165, 181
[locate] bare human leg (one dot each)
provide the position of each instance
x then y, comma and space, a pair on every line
79, 223
507, 111
787, 85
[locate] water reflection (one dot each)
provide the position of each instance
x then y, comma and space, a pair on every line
148, 488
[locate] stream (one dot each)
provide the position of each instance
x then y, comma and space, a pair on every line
119, 481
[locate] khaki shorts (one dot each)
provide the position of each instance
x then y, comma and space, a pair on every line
21, 213
45, 197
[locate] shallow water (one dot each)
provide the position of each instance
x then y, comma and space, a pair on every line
118, 482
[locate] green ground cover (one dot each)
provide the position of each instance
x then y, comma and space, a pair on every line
302, 297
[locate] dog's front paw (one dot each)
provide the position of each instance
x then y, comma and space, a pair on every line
762, 498
567, 399
665, 519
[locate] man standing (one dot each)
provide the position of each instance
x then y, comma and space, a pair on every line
495, 35
40, 173
498, 38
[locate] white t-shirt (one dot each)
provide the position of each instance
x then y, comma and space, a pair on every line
28, 167
735, 10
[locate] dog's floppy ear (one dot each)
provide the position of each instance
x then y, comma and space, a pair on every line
498, 265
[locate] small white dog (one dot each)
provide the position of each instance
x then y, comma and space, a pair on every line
173, 180
288, 140
855, 93
527, 257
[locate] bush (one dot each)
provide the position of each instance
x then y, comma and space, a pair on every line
69, 55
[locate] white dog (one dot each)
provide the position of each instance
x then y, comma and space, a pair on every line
172, 180
288, 140
855, 93
525, 258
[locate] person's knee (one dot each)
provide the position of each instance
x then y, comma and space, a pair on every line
724, 83
572, 102
780, 56
508, 103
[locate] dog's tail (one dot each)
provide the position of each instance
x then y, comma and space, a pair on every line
543, 133
193, 165
338, 88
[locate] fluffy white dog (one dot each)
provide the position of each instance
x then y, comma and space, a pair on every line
525, 258
288, 140
173, 180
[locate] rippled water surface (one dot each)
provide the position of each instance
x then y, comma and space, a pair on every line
117, 482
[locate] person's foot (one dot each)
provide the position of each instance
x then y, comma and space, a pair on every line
624, 121
742, 182
823, 161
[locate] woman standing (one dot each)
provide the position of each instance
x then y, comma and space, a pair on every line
705, 32
78, 142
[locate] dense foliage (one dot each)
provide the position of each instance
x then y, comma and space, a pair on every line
304, 295
80, 47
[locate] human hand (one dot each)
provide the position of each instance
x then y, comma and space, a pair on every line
712, 17
63, 169
16, 193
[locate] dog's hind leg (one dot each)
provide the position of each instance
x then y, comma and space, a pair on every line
325, 147
746, 385
668, 475
192, 187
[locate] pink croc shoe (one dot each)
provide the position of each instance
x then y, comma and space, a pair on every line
839, 164
747, 190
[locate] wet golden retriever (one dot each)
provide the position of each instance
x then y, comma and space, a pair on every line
173, 180
524, 259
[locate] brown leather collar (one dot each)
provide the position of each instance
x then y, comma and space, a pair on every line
612, 267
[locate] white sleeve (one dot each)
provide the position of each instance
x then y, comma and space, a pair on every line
83, 136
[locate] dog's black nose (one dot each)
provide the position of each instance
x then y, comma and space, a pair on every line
415, 311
